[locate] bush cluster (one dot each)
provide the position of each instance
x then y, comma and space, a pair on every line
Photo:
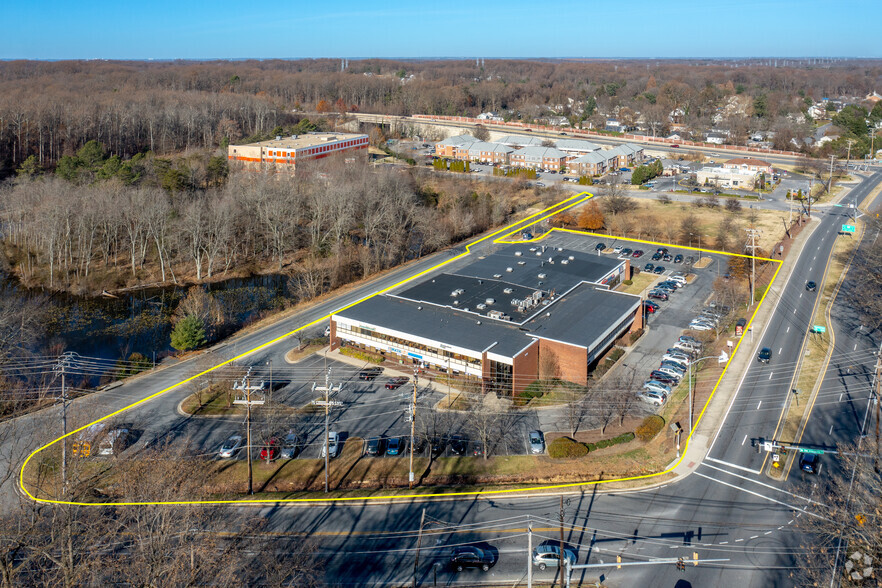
362, 355
634, 335
566, 447
603, 443
650, 427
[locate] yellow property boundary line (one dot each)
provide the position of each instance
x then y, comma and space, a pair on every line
505, 232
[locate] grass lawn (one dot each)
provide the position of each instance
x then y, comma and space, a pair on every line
214, 402
641, 282
296, 355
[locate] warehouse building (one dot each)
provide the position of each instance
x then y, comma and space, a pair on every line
284, 153
495, 320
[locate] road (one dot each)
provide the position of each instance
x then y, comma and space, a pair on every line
726, 509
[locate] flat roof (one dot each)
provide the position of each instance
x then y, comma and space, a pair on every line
306, 140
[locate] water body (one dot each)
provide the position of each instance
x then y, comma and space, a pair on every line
141, 321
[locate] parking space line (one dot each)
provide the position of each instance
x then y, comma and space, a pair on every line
743, 440
759, 405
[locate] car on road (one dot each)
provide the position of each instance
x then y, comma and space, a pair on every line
468, 556
540, 185
765, 355
637, 253
810, 463
600, 247
397, 382
658, 295
291, 446
678, 258
333, 444
652, 397
659, 269
231, 446
657, 387
458, 444
394, 446
370, 373
375, 446
548, 555
270, 450
811, 286
649, 267
537, 442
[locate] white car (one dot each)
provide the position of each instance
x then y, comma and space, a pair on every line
679, 279
652, 397
617, 249
680, 359
231, 446
670, 372
333, 443
687, 347
657, 387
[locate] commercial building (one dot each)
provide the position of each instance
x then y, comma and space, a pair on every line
747, 165
722, 177
496, 320
284, 153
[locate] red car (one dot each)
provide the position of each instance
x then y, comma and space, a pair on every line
650, 306
270, 450
397, 382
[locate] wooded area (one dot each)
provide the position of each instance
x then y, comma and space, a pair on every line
51, 109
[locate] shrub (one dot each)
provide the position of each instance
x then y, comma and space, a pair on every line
603, 443
650, 427
563, 447
362, 355
628, 282
634, 335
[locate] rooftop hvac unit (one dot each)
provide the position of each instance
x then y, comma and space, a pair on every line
456, 303
466, 309
457, 292
490, 301
550, 260
538, 294
522, 263
481, 306
538, 254
532, 249
508, 291
560, 248
516, 302
565, 261
542, 276
508, 269
572, 257
497, 275
518, 253
495, 314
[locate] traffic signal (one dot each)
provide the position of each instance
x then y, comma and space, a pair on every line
681, 566
619, 561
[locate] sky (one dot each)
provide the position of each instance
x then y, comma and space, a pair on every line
226, 29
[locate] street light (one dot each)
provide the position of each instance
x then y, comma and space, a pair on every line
723, 357
270, 364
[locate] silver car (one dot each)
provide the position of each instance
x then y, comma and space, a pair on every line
537, 442
657, 387
652, 397
333, 443
231, 446
548, 556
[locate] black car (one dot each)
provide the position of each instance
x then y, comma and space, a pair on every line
765, 355
659, 269
667, 257
467, 556
678, 258
375, 446
626, 251
438, 446
656, 256
810, 463
649, 267
370, 373
458, 444
397, 382
600, 247
663, 378
811, 286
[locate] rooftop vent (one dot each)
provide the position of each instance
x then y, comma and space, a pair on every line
560, 248
508, 269
481, 306
478, 322
419, 307
572, 257
538, 254
522, 263
490, 301
507, 291
497, 275
518, 253
542, 276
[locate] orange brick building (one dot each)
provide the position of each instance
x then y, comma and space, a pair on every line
283, 153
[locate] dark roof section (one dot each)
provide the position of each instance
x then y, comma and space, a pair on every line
444, 325
467, 293
583, 316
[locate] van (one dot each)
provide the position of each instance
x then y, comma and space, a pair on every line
739, 327
115, 442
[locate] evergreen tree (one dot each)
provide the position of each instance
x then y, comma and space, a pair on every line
188, 334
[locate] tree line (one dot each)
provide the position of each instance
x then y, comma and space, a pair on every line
52, 109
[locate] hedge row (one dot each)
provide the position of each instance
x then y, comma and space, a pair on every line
362, 355
566, 447
603, 443
610, 361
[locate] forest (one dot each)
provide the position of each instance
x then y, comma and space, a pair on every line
52, 109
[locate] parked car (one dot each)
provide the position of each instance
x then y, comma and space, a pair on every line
617, 249
765, 355
811, 286
537, 442
438, 446
291, 446
656, 256
657, 387
468, 556
458, 444
690, 259
637, 253
679, 279
600, 246
667, 257
810, 463
370, 373
650, 306
231, 446
689, 339
333, 445
376, 446
397, 382
659, 269
701, 326
394, 446
687, 347
627, 252
670, 367
678, 258
677, 358
658, 295
649, 267
663, 378
548, 555
270, 450
652, 397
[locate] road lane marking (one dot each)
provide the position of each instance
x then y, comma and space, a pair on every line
759, 405
794, 310
788, 329
732, 465
800, 294
738, 540
758, 495
743, 440
855, 347
780, 349
754, 536
724, 542
840, 396
770, 376
831, 431
769, 486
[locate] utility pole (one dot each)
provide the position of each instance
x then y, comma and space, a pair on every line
413, 424
61, 367
751, 234
830, 181
416, 561
848, 154
877, 389
529, 552
562, 553
327, 389
246, 385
